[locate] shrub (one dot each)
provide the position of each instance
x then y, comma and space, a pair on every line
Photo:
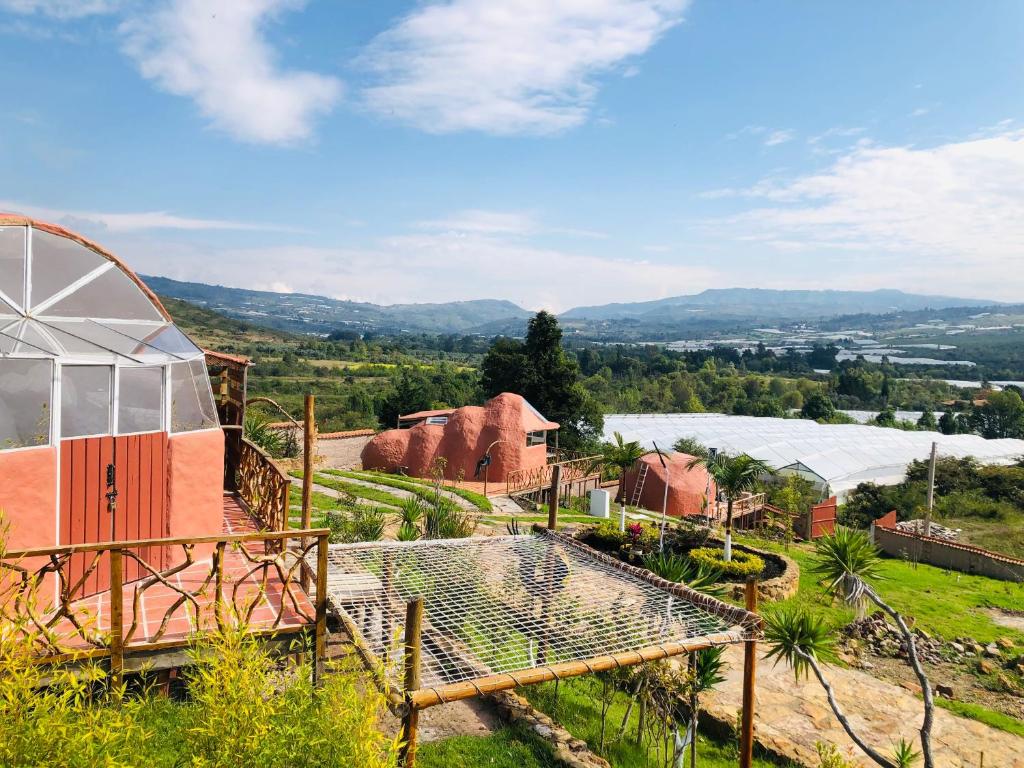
444, 519
608, 537
360, 523
743, 564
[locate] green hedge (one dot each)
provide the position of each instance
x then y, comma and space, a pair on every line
743, 564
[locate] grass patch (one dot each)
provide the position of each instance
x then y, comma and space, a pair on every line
983, 715
359, 491
511, 747
1005, 535
413, 484
579, 711
945, 603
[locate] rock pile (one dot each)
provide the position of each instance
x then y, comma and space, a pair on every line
936, 531
882, 638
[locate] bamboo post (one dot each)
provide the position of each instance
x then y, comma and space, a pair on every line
116, 617
218, 598
556, 481
320, 644
749, 674
410, 721
308, 447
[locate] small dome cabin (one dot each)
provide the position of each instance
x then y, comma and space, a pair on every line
687, 485
507, 428
108, 429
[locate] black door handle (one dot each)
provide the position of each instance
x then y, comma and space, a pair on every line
111, 488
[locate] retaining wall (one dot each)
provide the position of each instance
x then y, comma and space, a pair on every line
945, 554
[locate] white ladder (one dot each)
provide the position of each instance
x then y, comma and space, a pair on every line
638, 489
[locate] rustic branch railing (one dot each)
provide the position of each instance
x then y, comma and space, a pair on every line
244, 580
526, 480
262, 486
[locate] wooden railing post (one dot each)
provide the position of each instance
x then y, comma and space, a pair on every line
749, 674
320, 642
410, 721
308, 447
556, 482
218, 600
116, 617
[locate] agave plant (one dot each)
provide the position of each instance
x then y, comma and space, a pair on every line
674, 567
843, 561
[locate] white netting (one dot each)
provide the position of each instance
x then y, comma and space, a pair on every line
504, 604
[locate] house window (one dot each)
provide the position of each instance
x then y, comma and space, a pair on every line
536, 438
24, 402
442, 420
85, 400
140, 400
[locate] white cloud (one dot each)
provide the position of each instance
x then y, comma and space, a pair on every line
126, 222
216, 52
511, 67
62, 9
425, 266
779, 137
949, 215
920, 112
480, 221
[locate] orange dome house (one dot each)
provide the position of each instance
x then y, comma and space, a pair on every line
108, 428
506, 426
686, 488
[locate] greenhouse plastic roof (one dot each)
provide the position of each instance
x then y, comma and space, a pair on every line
841, 455
62, 296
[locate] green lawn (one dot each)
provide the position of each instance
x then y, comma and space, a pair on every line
359, 491
944, 603
983, 715
1005, 535
418, 485
511, 747
579, 711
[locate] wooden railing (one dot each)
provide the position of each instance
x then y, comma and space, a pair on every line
241, 580
526, 480
260, 484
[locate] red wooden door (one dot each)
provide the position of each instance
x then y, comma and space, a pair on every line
133, 506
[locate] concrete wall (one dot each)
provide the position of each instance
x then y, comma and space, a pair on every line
28, 496
947, 554
195, 477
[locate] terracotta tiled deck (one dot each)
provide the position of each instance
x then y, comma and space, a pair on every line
275, 605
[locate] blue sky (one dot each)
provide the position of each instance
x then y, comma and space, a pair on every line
550, 152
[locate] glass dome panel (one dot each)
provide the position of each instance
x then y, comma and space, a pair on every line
140, 400
57, 262
25, 387
192, 405
85, 400
111, 295
12, 265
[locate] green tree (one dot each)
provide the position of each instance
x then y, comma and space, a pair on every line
623, 456
541, 371
733, 476
927, 421
818, 406
948, 423
1001, 416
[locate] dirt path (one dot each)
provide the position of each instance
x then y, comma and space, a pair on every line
792, 716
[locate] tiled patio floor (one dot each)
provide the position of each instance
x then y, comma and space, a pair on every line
246, 584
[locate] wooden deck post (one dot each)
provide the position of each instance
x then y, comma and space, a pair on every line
320, 642
410, 721
749, 674
556, 482
116, 617
308, 448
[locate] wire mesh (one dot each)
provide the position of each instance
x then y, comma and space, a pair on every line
510, 603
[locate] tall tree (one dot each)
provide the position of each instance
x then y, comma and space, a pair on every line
541, 371
623, 456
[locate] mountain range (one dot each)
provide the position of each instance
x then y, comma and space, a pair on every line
723, 307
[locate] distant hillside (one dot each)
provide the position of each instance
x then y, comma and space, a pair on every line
751, 303
212, 330
303, 313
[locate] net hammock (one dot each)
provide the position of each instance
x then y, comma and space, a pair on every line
504, 604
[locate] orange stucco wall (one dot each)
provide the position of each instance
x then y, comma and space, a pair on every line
195, 483
28, 496
686, 487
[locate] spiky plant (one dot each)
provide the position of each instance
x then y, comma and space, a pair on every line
843, 561
674, 567
904, 754
733, 476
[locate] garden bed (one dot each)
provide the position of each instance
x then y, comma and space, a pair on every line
778, 580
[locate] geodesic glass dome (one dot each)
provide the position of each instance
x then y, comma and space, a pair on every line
86, 349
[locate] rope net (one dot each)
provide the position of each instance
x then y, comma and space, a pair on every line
510, 603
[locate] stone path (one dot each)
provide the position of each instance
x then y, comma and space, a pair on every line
401, 493
792, 716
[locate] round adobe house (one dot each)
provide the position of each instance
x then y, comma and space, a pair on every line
686, 489
514, 430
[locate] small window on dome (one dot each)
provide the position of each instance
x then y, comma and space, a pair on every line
192, 405
536, 438
140, 400
25, 402
85, 401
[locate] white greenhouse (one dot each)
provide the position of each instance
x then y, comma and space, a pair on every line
835, 457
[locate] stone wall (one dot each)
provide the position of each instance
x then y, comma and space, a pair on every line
568, 750
770, 590
947, 554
